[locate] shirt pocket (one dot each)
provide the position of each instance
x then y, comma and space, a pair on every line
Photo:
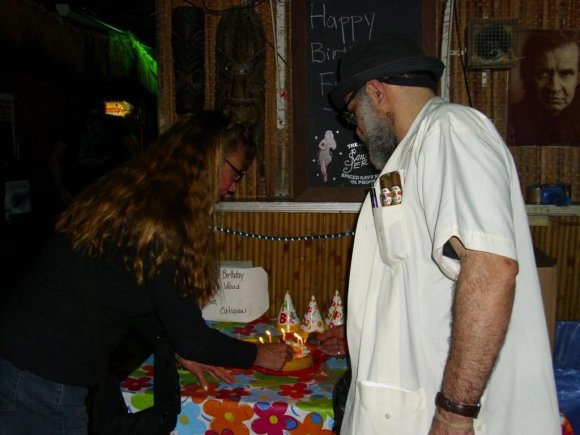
391, 228
384, 408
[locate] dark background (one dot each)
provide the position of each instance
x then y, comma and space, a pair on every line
136, 16
43, 85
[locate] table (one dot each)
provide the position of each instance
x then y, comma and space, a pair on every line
255, 403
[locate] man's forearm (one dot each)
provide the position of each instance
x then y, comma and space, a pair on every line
481, 311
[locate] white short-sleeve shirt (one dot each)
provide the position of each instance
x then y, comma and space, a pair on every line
459, 180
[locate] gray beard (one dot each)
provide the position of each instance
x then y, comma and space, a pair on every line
380, 133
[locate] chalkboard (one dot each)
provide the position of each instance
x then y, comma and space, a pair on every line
323, 31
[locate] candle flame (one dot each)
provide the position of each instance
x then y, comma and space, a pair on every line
301, 343
261, 340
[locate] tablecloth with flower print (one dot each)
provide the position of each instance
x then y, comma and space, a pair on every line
255, 403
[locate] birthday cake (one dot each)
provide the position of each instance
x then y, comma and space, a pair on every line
302, 358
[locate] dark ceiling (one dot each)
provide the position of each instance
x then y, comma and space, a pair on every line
45, 52
135, 16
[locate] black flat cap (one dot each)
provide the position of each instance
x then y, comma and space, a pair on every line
391, 56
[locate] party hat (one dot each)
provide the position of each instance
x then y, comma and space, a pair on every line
336, 300
335, 315
287, 317
312, 320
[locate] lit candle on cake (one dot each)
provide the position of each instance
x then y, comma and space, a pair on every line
283, 335
261, 340
300, 343
269, 336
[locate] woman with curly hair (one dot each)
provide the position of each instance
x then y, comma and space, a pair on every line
146, 231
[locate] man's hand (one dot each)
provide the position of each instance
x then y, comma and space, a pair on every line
446, 423
333, 341
197, 369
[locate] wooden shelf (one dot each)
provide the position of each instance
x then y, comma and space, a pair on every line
534, 211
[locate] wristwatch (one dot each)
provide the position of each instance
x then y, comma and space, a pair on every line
449, 405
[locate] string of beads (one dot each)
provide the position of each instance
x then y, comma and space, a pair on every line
284, 238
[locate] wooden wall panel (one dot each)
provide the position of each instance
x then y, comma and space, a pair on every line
276, 137
303, 268
165, 77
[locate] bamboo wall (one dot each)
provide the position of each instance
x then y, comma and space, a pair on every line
320, 267
303, 268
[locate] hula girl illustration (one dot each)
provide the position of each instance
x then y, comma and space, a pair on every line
324, 155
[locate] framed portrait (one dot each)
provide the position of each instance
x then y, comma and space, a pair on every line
329, 163
544, 103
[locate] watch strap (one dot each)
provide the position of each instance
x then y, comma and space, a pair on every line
449, 405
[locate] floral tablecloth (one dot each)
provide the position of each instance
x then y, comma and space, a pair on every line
255, 403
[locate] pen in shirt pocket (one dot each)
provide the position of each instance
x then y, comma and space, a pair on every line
374, 202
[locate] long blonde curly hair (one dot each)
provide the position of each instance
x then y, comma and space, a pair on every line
157, 209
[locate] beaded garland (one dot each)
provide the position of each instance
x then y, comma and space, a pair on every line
284, 239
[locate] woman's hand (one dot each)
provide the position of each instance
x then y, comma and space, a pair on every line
333, 341
197, 369
273, 356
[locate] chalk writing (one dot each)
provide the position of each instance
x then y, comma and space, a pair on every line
327, 82
320, 53
348, 27
333, 28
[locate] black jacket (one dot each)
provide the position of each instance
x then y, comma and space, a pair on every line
44, 328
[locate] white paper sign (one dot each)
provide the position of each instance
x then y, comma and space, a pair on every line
242, 297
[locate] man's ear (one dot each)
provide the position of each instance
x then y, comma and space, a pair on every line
377, 92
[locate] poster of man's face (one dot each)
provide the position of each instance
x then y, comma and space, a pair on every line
544, 106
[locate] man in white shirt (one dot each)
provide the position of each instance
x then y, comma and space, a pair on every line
446, 330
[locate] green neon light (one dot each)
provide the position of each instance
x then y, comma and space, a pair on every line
126, 51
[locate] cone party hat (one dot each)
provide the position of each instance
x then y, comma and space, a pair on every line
287, 317
336, 300
312, 320
335, 312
